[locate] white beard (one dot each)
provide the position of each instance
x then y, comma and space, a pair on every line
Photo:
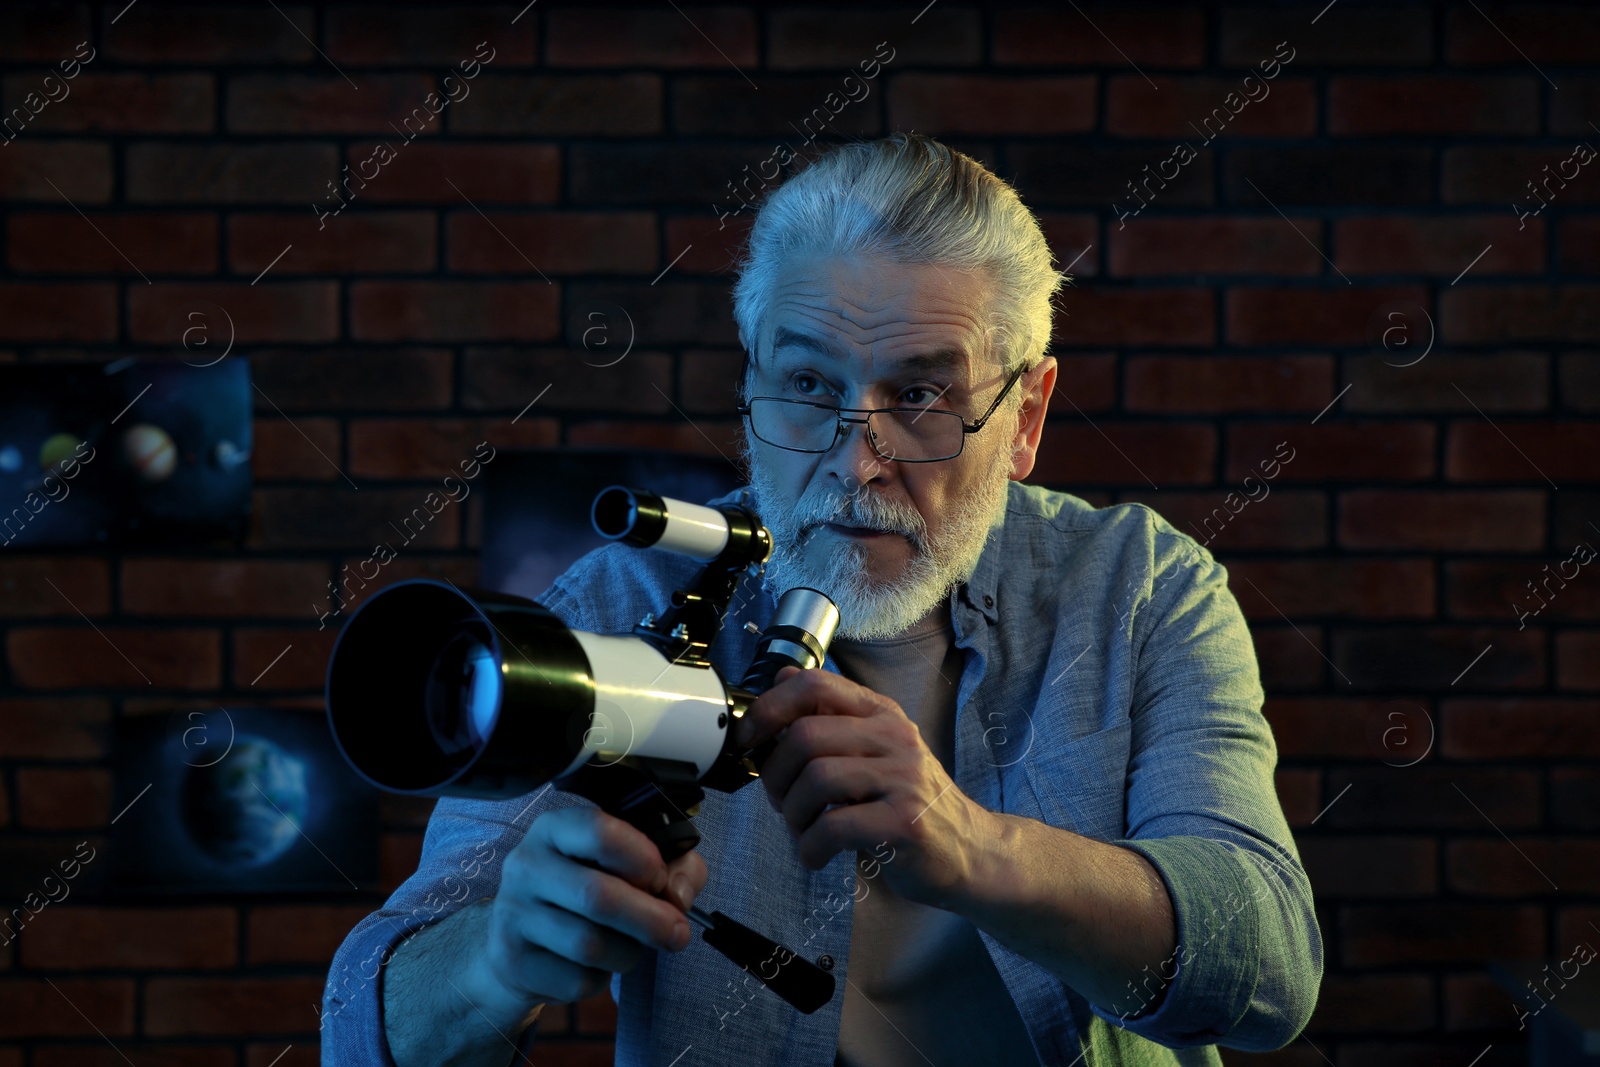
868, 609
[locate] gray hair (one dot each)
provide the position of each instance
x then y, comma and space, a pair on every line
910, 199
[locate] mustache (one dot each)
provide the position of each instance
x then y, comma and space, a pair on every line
872, 513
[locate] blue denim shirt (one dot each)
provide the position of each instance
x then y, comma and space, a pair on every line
1109, 689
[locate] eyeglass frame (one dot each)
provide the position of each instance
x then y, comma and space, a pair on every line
867, 413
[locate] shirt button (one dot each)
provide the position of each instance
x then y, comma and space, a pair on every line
988, 601
825, 962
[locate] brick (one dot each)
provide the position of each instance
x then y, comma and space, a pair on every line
1347, 36
173, 172
64, 729
270, 311
596, 1014
706, 381
400, 854
1579, 245
702, 438
1101, 317
59, 312
1500, 173
1225, 383
691, 312
206, 33
1443, 246
47, 33
1356, 175
1331, 451
79, 169
284, 659
352, 379
1575, 511
543, 105
299, 933
1575, 798
1578, 660
1057, 173
1432, 798
960, 103
1074, 238
318, 103
1524, 591
1152, 37
1290, 657
61, 658
1333, 588
199, 1006
1438, 932
831, 38
482, 173
1391, 1003
1436, 656
1572, 926
1274, 315
1550, 33
62, 799
453, 311
462, 570
1395, 1053
1513, 313
710, 246
643, 173
432, 34
1491, 866
1084, 382
307, 1055
1396, 731
377, 241
305, 448
1161, 246
1442, 520
337, 518
1475, 1002
1519, 728
690, 37
219, 588
79, 938
621, 242
723, 106
1434, 105
85, 1055
82, 584
1283, 518
1372, 866
1073, 454
1197, 110
120, 103
406, 811
1476, 450
1297, 792
70, 1007
160, 243
1570, 110
1501, 381
506, 379
435, 447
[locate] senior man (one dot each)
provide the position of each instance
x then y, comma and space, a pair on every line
1025, 813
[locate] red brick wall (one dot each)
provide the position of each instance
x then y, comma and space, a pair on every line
1245, 306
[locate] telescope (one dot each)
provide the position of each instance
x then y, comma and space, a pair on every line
438, 691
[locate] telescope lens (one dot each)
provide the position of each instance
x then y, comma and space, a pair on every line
463, 695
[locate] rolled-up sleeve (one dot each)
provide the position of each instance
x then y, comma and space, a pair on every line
1203, 810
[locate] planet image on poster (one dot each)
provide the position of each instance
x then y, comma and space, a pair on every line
247, 809
149, 450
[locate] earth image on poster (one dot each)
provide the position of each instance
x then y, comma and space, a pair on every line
247, 809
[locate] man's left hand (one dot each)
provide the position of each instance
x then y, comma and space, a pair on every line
851, 771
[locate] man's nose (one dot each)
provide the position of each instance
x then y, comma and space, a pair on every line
855, 461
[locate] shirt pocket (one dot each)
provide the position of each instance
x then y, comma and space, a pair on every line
1081, 784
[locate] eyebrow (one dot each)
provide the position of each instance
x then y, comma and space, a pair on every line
939, 359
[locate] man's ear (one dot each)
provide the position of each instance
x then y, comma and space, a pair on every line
1037, 385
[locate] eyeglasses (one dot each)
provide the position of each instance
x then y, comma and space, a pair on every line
902, 434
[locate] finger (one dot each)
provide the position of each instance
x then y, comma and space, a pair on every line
813, 692
852, 826
587, 833
686, 876
831, 780
541, 974
604, 898
574, 938
812, 738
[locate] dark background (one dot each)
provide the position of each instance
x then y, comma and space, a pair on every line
579, 178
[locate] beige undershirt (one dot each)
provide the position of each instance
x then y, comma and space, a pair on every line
921, 986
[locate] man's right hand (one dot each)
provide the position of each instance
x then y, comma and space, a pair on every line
584, 895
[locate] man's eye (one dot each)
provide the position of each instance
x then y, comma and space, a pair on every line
799, 380
920, 396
